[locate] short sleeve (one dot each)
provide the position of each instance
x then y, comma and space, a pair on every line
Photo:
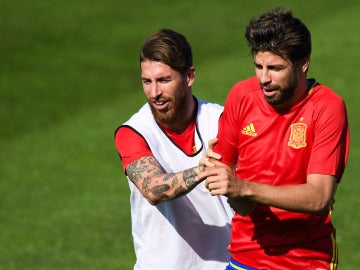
228, 130
130, 145
331, 140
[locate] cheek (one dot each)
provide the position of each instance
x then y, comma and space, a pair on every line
147, 90
257, 73
283, 79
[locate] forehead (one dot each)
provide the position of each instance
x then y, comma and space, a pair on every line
155, 69
269, 59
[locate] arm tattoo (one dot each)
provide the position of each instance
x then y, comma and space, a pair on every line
136, 169
159, 191
189, 176
175, 181
143, 170
180, 190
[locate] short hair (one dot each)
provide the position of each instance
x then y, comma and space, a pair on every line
168, 47
279, 32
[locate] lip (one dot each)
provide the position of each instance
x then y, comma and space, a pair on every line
268, 92
160, 105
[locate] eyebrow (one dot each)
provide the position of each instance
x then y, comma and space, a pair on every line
158, 78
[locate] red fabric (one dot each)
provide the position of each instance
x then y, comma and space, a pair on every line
185, 140
281, 148
132, 146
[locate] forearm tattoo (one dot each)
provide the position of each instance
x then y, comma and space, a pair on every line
138, 168
189, 176
142, 172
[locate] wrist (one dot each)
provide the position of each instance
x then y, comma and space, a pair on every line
190, 177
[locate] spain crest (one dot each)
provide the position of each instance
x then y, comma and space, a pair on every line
297, 135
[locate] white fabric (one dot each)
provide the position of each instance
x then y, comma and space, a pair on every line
192, 231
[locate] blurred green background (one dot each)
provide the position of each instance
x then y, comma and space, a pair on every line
69, 76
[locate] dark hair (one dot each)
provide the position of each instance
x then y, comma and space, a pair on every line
279, 32
168, 47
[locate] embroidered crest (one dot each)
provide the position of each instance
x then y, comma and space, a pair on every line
297, 135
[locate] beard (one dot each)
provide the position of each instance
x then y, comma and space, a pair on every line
176, 109
284, 93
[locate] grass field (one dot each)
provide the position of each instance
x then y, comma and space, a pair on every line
69, 75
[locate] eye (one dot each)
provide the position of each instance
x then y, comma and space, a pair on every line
165, 80
146, 81
276, 68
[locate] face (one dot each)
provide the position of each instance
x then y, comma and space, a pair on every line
167, 91
278, 78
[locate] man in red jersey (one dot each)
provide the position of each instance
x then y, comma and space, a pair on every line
288, 138
176, 223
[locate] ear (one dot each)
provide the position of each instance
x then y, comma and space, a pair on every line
305, 65
190, 76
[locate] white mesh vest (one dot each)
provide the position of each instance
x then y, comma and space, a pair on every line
192, 231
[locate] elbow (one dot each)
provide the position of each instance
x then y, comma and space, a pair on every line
320, 207
151, 199
319, 211
153, 202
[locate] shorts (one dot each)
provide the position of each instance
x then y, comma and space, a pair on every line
233, 265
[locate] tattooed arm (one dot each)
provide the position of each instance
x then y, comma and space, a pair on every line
155, 184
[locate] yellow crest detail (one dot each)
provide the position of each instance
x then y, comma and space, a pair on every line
297, 135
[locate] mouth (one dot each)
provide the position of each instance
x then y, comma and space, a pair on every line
269, 92
160, 105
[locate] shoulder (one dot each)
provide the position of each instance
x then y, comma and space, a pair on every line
207, 106
249, 85
244, 88
142, 121
329, 108
142, 114
133, 131
325, 98
245, 91
125, 131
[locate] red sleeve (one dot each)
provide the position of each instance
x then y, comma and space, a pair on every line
228, 130
331, 142
130, 145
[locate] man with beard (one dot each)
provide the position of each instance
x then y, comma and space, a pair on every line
288, 138
176, 223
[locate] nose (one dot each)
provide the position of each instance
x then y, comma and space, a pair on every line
155, 90
264, 76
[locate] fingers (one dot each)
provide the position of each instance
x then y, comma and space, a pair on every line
205, 162
211, 154
201, 167
217, 189
213, 188
215, 182
212, 142
208, 160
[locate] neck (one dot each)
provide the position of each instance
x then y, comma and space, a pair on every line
301, 89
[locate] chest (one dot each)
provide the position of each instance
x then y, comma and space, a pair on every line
273, 144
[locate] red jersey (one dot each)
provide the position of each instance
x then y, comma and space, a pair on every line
282, 148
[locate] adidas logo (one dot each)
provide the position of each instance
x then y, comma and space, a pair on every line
249, 130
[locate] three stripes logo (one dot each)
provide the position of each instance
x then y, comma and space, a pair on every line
249, 130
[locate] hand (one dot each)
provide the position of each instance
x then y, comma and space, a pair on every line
241, 205
221, 180
210, 157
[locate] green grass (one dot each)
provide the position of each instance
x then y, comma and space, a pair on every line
69, 75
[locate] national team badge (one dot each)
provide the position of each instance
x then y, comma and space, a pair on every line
297, 135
